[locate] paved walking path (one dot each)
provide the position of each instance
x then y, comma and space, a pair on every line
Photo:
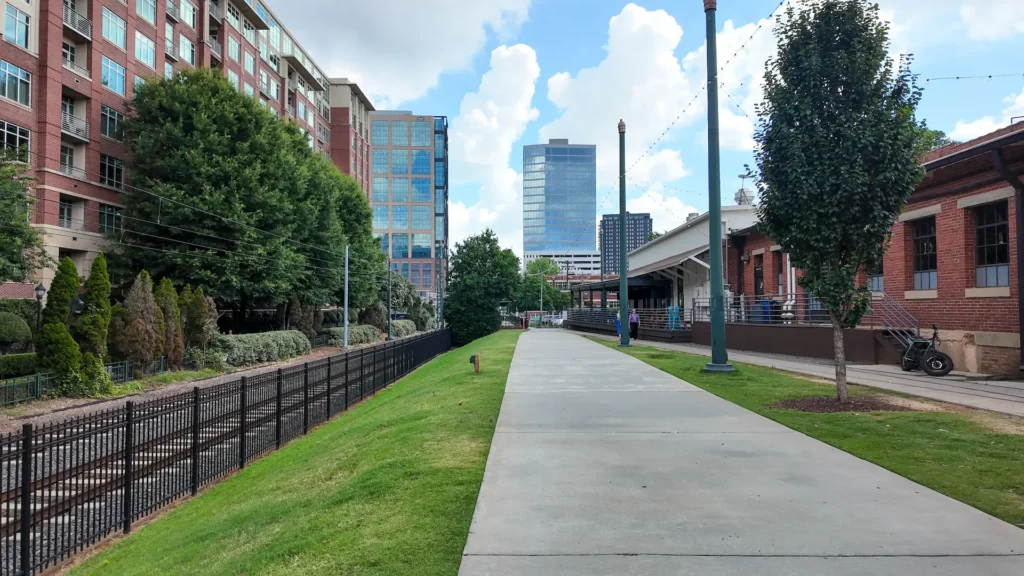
603, 465
998, 396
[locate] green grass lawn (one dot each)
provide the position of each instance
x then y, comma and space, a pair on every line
962, 455
388, 488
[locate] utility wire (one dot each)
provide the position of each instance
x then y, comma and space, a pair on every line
981, 77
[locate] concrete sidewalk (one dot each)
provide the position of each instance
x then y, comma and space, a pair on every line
998, 396
604, 465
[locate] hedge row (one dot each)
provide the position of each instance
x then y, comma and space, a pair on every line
24, 308
15, 334
402, 328
14, 365
357, 334
247, 349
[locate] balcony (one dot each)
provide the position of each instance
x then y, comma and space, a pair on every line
215, 47
216, 14
171, 50
255, 16
293, 84
77, 23
73, 172
76, 68
291, 111
173, 13
74, 126
303, 66
265, 89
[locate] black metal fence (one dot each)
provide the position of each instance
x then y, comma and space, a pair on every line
66, 485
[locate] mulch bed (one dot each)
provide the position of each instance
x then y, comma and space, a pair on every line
832, 405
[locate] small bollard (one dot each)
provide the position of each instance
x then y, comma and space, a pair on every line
475, 361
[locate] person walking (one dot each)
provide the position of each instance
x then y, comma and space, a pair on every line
634, 325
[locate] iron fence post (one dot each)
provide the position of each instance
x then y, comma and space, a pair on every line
242, 400
362, 378
346, 379
26, 499
195, 440
129, 445
305, 398
328, 388
39, 385
277, 428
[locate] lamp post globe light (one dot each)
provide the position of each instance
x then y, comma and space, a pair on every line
40, 292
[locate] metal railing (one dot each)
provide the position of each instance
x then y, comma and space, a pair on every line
897, 321
172, 11
799, 309
74, 125
215, 12
72, 171
171, 50
36, 386
77, 22
76, 68
66, 485
215, 46
670, 318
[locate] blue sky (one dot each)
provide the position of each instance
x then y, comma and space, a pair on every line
514, 72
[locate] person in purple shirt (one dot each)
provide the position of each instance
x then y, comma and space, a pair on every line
634, 325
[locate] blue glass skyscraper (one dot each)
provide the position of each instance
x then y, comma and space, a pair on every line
560, 203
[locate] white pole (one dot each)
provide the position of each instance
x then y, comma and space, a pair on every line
346, 297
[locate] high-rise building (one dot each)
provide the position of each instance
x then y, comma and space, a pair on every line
350, 127
66, 69
638, 229
560, 204
409, 194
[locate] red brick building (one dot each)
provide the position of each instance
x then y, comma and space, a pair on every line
66, 70
350, 125
953, 261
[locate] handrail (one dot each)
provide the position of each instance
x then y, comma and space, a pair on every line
77, 22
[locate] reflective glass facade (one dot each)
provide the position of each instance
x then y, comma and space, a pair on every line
559, 197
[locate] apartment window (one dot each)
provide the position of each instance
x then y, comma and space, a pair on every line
992, 245
422, 217
439, 147
400, 162
926, 263
250, 63
399, 188
169, 70
400, 217
233, 78
188, 13
168, 38
380, 217
399, 133
249, 31
264, 80
421, 162
67, 159
310, 116
146, 9
275, 90
427, 275
380, 133
186, 49
15, 83
422, 135
15, 138
234, 48
145, 50
111, 171
439, 174
302, 109
399, 246
114, 28
110, 122
16, 26
68, 52
421, 244
110, 219
380, 161
379, 192
263, 50
112, 75
64, 218
249, 90
233, 15
421, 189
876, 281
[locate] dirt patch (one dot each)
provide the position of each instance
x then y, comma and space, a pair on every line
999, 424
831, 405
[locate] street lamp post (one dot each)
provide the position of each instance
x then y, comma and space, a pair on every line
623, 261
719, 354
40, 292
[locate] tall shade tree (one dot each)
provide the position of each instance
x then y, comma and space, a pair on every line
63, 290
838, 152
95, 322
481, 276
21, 248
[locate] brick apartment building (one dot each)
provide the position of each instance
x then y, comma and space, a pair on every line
66, 70
350, 126
954, 256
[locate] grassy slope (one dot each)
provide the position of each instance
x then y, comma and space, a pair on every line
951, 453
388, 488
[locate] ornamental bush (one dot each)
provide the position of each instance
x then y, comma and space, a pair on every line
63, 290
137, 328
248, 349
24, 308
94, 381
402, 328
357, 334
205, 359
15, 334
174, 346
94, 325
62, 355
198, 317
14, 365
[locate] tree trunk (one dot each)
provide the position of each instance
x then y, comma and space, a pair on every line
837, 340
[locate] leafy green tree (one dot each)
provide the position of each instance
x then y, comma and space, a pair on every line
198, 317
58, 352
481, 277
528, 296
174, 346
929, 139
838, 152
63, 290
542, 266
654, 236
137, 329
21, 248
95, 322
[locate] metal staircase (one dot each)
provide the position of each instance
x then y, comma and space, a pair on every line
899, 324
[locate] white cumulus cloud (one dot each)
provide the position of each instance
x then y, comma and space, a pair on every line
968, 130
667, 211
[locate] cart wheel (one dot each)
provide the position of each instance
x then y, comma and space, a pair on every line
906, 364
938, 364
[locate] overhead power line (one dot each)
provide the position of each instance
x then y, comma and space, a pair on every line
981, 77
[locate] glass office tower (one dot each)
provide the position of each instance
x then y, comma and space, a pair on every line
560, 202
